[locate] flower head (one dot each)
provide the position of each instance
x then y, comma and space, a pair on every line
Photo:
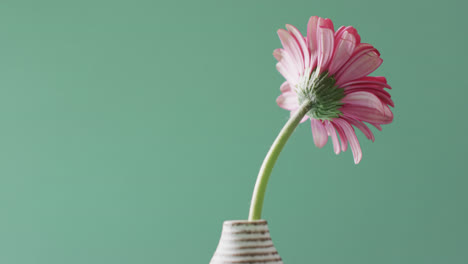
330, 70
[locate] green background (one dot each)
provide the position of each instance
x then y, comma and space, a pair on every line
129, 130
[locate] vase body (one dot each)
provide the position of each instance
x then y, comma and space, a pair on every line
246, 242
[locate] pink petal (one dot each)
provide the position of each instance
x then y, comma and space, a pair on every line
288, 101
368, 114
326, 23
312, 40
339, 32
285, 87
377, 126
292, 47
277, 53
365, 86
313, 37
362, 48
388, 113
332, 133
361, 126
288, 73
376, 90
364, 99
312, 34
344, 140
345, 44
319, 133
286, 59
364, 61
378, 80
287, 66
325, 48
302, 44
351, 30
353, 141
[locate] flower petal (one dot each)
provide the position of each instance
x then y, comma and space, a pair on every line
302, 44
286, 65
351, 30
367, 114
288, 101
285, 87
379, 127
344, 140
287, 73
374, 89
319, 133
325, 48
292, 47
332, 133
364, 99
339, 32
344, 48
277, 53
361, 126
312, 34
378, 80
366, 107
369, 86
353, 141
365, 60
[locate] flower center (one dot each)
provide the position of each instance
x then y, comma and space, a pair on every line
320, 89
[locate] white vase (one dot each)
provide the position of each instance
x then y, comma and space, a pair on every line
246, 242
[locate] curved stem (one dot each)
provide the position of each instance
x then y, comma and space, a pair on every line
270, 160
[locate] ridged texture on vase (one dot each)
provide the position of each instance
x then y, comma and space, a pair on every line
246, 242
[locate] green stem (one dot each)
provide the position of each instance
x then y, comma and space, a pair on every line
270, 160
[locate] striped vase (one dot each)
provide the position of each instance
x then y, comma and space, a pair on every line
246, 242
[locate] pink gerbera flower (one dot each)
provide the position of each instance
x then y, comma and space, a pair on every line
330, 70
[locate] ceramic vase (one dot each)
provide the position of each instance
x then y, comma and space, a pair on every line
246, 242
